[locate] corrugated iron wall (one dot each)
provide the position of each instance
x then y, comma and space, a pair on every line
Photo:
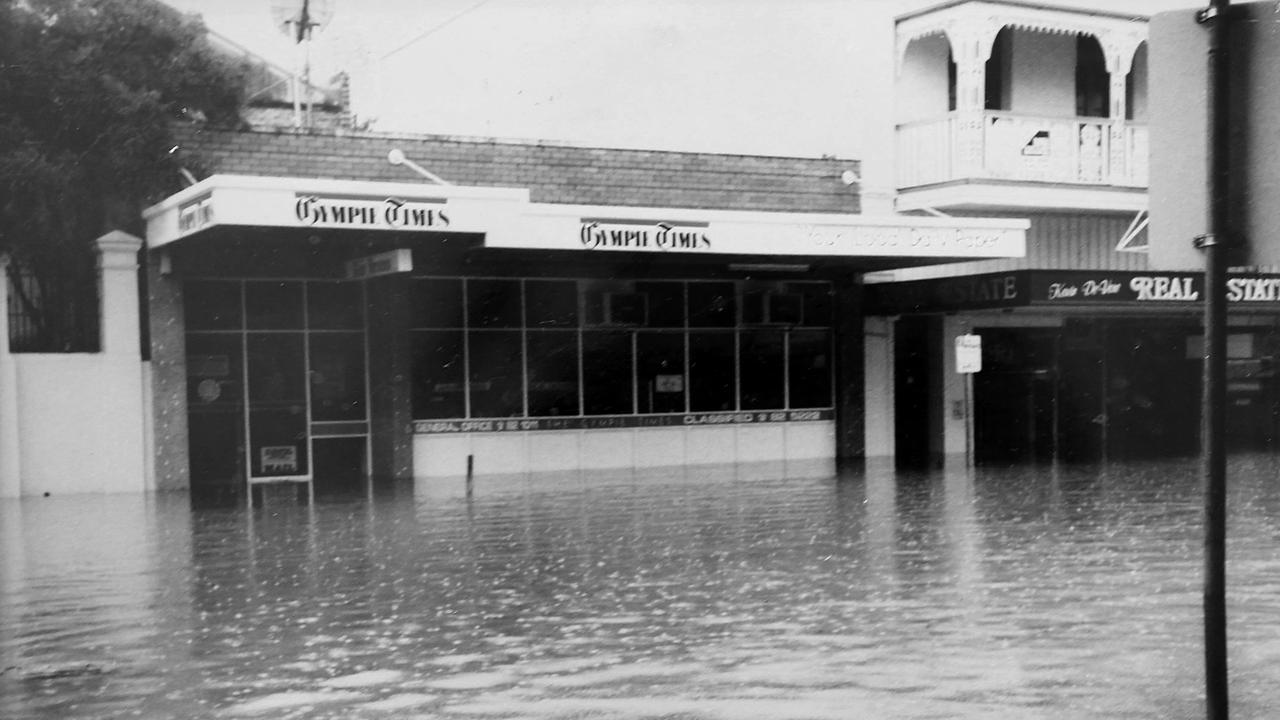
1055, 241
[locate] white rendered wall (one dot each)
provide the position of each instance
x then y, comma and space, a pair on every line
74, 422
1138, 76
442, 458
878, 428
1044, 74
923, 81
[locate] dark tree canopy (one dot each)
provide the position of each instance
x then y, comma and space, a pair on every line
89, 90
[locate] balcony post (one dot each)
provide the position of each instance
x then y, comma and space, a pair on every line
971, 43
1119, 51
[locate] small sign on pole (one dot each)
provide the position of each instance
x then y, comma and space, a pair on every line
968, 354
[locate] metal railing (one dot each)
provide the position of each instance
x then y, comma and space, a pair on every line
55, 311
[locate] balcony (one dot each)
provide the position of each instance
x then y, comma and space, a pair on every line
1013, 160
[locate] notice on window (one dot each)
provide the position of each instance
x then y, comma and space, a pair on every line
280, 459
668, 383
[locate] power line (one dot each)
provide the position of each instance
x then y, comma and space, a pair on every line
433, 30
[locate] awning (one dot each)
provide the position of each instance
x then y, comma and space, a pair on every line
507, 220
1066, 289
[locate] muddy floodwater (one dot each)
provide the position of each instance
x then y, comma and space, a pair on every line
1052, 592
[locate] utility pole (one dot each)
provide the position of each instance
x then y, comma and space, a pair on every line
1215, 245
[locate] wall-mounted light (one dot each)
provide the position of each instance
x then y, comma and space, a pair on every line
397, 157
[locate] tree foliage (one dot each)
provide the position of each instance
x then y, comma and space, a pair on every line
89, 90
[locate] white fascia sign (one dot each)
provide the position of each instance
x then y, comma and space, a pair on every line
253, 201
678, 231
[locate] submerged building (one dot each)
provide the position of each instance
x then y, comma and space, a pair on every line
330, 309
321, 314
1021, 109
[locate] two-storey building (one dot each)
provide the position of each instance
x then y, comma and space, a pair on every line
1020, 109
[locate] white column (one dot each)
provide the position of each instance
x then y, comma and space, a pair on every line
10, 445
971, 43
878, 401
118, 260
123, 398
1119, 51
957, 398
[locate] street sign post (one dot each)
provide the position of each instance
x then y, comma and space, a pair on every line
968, 354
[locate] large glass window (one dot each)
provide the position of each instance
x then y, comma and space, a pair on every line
665, 303
660, 370
809, 369
439, 374
493, 303
712, 371
212, 305
337, 376
496, 378
712, 304
762, 364
335, 306
551, 303
485, 347
553, 373
273, 305
436, 303
607, 384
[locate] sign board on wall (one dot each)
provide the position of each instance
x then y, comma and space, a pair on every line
384, 263
1062, 288
685, 232
1180, 136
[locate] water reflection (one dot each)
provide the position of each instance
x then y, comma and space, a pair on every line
1031, 593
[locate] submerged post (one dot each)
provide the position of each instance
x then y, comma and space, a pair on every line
1213, 409
471, 466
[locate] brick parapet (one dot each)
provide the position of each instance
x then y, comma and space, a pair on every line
553, 173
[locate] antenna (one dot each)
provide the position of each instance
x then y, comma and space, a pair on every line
298, 20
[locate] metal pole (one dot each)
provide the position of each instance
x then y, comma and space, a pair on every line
1213, 409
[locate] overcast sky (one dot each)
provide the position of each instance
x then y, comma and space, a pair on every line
784, 77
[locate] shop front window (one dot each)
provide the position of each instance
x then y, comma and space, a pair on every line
497, 348
439, 374
809, 369
660, 369
762, 365
553, 373
712, 371
608, 387
496, 377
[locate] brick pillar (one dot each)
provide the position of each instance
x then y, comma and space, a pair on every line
391, 412
168, 377
849, 356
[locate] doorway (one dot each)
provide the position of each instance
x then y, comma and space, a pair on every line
277, 384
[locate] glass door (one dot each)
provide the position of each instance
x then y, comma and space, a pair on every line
277, 406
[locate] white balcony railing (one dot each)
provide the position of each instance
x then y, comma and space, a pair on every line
1085, 151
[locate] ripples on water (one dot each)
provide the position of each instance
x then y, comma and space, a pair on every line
1027, 593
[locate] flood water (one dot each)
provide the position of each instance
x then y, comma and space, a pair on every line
1067, 592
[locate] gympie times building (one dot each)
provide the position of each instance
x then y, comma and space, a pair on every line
321, 316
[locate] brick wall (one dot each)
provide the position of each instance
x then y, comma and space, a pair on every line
552, 173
